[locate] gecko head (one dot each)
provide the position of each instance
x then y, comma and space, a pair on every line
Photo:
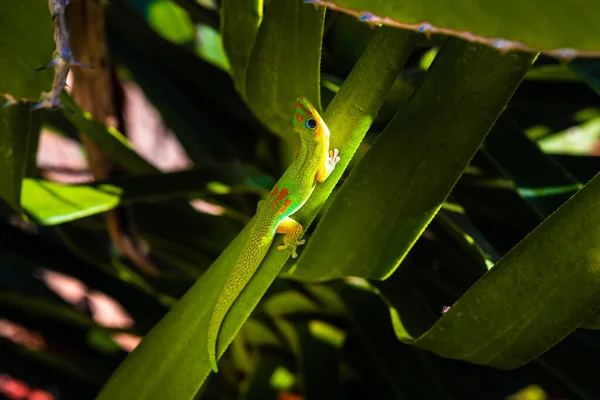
307, 121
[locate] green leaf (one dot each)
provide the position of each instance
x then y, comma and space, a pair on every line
27, 43
284, 63
210, 48
19, 136
52, 203
560, 27
402, 181
171, 21
239, 25
179, 369
544, 288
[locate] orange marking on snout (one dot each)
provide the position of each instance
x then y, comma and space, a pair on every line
286, 205
304, 108
282, 194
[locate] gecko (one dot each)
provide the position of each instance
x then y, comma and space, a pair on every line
313, 163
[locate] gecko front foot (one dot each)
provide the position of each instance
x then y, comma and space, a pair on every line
292, 245
333, 158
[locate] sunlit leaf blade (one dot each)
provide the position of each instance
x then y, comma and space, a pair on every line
239, 24
178, 370
561, 27
544, 288
26, 45
51, 203
285, 63
402, 181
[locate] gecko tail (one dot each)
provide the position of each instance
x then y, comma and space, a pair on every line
213, 362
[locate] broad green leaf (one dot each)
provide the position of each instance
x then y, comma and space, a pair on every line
52, 203
284, 63
543, 289
19, 136
155, 370
562, 28
239, 25
26, 44
402, 181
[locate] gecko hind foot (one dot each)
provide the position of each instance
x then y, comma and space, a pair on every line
293, 246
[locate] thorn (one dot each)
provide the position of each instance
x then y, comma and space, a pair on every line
38, 106
51, 64
366, 17
10, 101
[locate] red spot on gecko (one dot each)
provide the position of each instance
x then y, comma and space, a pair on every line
275, 190
282, 194
286, 205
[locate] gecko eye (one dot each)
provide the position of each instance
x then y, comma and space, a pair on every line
311, 123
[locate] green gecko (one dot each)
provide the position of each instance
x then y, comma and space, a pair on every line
313, 163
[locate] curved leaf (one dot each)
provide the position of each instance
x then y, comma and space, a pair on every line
51, 203
154, 370
562, 28
284, 63
544, 288
402, 181
239, 25
27, 43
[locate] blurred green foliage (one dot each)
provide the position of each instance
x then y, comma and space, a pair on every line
468, 180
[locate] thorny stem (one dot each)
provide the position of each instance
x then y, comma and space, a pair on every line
63, 58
